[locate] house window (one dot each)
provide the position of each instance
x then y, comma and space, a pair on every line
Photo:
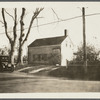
54, 51
40, 57
35, 57
44, 57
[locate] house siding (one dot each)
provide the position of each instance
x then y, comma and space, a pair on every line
66, 52
35, 54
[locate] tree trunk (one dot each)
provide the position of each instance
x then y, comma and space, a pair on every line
11, 40
19, 55
21, 39
12, 53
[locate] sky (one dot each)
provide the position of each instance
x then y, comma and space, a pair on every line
54, 11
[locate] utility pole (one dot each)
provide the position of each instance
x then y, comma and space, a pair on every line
84, 41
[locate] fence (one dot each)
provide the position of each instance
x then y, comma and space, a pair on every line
81, 63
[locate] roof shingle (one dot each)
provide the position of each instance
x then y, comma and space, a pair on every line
47, 41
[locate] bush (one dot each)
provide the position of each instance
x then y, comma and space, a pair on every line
92, 53
93, 64
54, 58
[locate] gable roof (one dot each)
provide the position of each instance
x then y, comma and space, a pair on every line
47, 41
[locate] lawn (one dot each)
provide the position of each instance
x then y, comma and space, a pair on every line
72, 72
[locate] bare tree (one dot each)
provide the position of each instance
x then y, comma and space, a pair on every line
12, 40
23, 37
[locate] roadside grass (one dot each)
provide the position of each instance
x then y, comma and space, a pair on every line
45, 71
66, 73
20, 66
28, 68
42, 69
73, 72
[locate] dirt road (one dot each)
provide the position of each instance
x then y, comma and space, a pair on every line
23, 83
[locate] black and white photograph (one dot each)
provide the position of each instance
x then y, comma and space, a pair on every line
49, 47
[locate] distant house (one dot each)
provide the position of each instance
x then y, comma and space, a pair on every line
55, 50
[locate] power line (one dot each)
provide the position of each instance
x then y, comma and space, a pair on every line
56, 21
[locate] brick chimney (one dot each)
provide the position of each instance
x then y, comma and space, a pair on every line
65, 32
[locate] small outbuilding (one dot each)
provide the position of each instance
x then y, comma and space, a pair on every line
55, 50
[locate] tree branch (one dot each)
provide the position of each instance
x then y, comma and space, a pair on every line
5, 25
56, 14
36, 13
15, 24
22, 24
1, 22
10, 15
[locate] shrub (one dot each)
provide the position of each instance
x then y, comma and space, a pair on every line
54, 58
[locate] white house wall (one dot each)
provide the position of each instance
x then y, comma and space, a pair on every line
66, 51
